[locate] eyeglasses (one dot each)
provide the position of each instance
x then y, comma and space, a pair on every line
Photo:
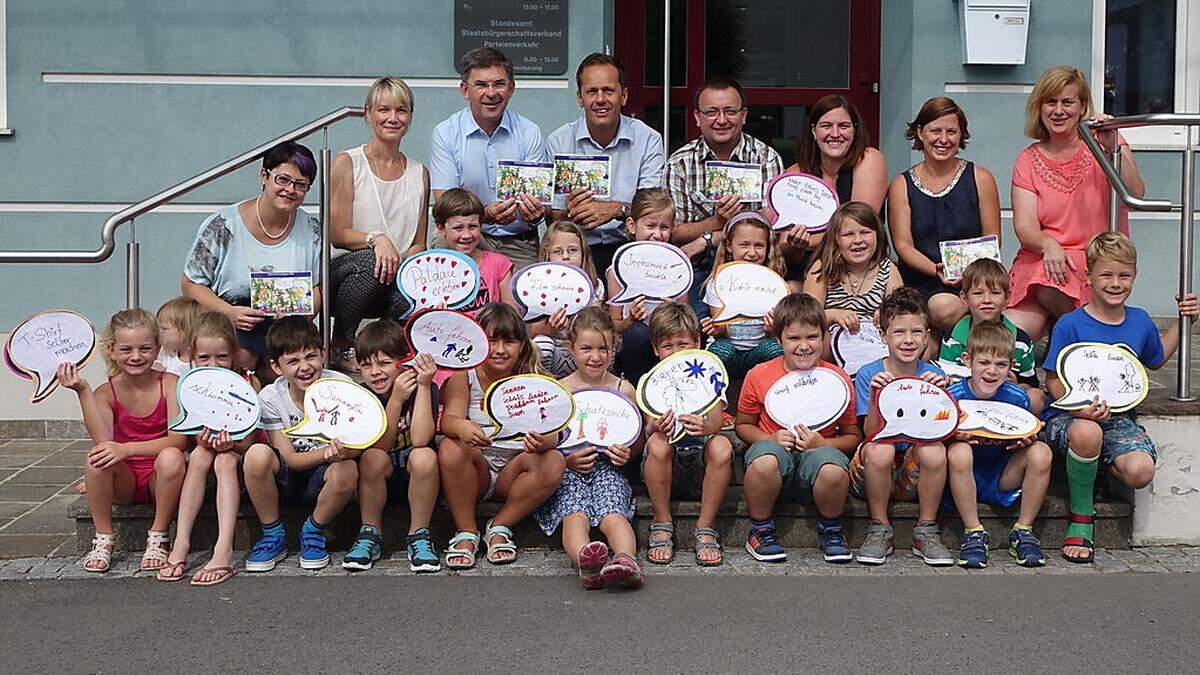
562, 252
714, 113
284, 181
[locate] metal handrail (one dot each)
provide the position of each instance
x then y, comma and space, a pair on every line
1112, 169
108, 232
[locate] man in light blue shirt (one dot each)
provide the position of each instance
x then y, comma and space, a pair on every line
635, 154
466, 147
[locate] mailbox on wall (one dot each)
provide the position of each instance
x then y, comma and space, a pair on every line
993, 31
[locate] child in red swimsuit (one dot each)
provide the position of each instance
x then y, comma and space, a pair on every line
134, 459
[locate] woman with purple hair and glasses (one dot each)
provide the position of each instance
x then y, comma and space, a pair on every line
269, 237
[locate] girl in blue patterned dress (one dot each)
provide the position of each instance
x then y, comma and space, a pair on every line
593, 493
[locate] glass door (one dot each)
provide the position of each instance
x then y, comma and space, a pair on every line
786, 54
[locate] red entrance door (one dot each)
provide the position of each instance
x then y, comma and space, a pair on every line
786, 53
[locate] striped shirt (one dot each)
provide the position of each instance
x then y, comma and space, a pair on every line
863, 304
684, 174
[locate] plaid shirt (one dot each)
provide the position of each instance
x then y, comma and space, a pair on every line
684, 174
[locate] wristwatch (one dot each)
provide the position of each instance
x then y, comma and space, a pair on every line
371, 237
707, 237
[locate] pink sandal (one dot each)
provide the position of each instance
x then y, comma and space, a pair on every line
593, 557
622, 571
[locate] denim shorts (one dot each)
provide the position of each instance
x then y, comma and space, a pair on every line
299, 487
687, 467
798, 468
1122, 435
397, 483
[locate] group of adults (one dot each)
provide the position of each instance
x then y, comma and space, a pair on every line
380, 196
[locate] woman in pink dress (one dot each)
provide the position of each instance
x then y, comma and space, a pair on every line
1060, 200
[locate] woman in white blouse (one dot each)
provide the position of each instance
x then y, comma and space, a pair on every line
378, 215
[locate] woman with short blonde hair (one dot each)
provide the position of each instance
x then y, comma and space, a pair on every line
378, 215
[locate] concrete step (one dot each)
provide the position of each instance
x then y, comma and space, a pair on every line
796, 524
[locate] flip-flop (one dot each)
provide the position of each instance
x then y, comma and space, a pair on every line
173, 571
223, 574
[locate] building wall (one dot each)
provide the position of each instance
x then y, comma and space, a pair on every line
120, 143
921, 58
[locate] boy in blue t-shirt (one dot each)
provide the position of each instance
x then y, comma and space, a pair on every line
993, 471
1094, 432
881, 472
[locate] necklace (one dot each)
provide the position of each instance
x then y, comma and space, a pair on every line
268, 235
856, 285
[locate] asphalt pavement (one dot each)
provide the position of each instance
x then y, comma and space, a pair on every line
1101, 623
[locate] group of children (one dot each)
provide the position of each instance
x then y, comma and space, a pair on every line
438, 440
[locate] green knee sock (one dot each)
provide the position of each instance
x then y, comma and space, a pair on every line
1081, 481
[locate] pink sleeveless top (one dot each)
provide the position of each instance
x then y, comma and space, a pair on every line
128, 428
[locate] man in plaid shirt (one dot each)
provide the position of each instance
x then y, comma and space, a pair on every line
720, 110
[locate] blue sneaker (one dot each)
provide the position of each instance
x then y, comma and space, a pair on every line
973, 549
763, 544
267, 551
833, 543
313, 555
421, 556
1026, 548
366, 550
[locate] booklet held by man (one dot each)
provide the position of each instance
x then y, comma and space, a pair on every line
533, 179
722, 179
572, 172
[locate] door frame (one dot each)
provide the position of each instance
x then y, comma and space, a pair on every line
864, 69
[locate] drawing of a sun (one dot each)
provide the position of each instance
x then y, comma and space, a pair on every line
694, 368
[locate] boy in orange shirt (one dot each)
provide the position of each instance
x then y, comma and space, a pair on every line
797, 464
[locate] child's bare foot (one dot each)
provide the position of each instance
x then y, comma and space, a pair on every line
81, 487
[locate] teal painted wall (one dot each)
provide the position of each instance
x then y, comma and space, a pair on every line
122, 143
921, 54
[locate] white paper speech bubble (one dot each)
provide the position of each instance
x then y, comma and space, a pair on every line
815, 398
911, 409
691, 381
650, 269
954, 370
544, 288
438, 277
747, 291
520, 404
1091, 369
453, 339
40, 343
852, 351
800, 199
603, 418
217, 399
340, 409
997, 419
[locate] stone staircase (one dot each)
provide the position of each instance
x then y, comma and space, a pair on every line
796, 524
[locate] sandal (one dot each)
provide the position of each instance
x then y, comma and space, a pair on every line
155, 557
345, 360
593, 559
223, 574
102, 550
622, 571
462, 554
505, 546
667, 542
1082, 542
699, 545
173, 571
